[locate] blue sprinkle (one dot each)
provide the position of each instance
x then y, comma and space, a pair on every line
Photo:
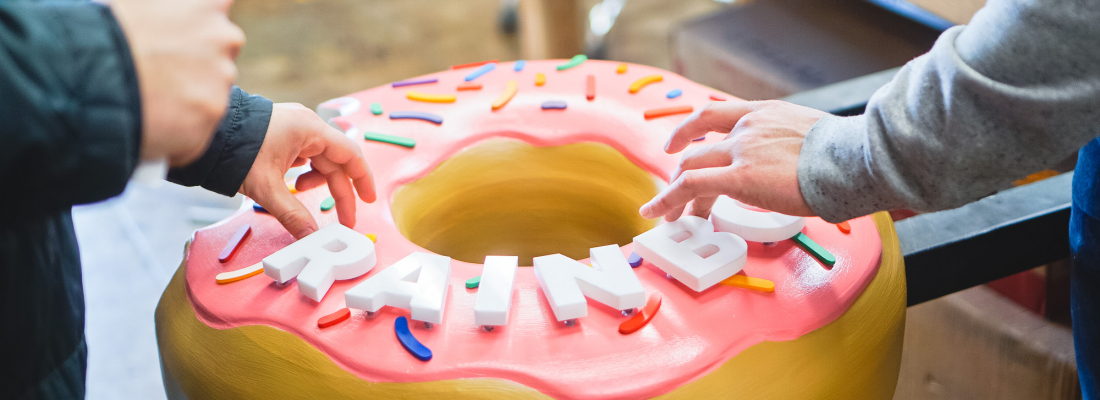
553, 105
258, 207
635, 260
418, 350
520, 64
674, 93
484, 69
435, 119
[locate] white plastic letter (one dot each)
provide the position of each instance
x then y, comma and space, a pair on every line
494, 293
610, 281
333, 252
729, 215
692, 252
417, 283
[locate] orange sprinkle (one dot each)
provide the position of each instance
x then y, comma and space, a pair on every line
844, 227
469, 86
643, 316
621, 69
748, 282
661, 112
540, 79
509, 92
717, 97
243, 273
477, 64
335, 318
590, 90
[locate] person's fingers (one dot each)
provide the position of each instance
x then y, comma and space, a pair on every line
298, 162
339, 186
700, 207
691, 184
716, 116
707, 156
342, 151
286, 208
309, 180
675, 213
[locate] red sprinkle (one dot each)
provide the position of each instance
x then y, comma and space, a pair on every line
717, 97
334, 318
590, 91
661, 112
844, 227
469, 86
477, 64
234, 243
642, 317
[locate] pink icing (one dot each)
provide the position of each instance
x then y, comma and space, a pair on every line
691, 335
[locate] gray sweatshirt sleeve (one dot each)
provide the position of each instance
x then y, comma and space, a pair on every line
1011, 94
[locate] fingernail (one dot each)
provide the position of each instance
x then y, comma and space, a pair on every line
646, 211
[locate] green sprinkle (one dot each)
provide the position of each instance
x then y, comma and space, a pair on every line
577, 60
473, 282
328, 204
814, 249
376, 108
384, 138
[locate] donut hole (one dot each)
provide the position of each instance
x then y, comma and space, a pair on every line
507, 197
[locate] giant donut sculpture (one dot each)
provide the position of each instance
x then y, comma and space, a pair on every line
529, 159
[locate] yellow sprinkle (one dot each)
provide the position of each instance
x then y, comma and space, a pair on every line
509, 92
430, 98
373, 237
621, 69
540, 79
246, 272
639, 84
291, 187
749, 282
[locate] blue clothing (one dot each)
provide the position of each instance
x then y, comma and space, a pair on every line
1084, 228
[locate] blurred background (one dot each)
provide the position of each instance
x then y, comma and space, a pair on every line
1005, 340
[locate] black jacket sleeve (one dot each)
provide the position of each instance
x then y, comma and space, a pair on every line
225, 164
70, 111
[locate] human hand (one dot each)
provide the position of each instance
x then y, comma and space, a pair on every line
294, 135
757, 163
184, 53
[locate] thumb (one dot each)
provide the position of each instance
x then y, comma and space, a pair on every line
286, 208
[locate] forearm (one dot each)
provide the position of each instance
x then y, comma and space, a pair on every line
70, 106
1013, 93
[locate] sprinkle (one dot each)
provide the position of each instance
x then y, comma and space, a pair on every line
509, 92
643, 316
700, 138
674, 93
234, 242
472, 283
435, 119
290, 186
621, 69
540, 79
661, 112
748, 282
519, 65
372, 237
384, 138
414, 82
640, 83
844, 227
471, 65
814, 249
717, 97
243, 273
635, 260
413, 346
575, 61
484, 69
258, 208
337, 317
375, 108
430, 98
590, 88
469, 86
554, 105
328, 204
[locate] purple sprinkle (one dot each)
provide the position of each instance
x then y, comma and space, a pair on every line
414, 82
699, 138
635, 260
435, 119
553, 105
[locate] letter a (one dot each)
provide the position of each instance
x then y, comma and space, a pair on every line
417, 283
334, 252
610, 281
692, 252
